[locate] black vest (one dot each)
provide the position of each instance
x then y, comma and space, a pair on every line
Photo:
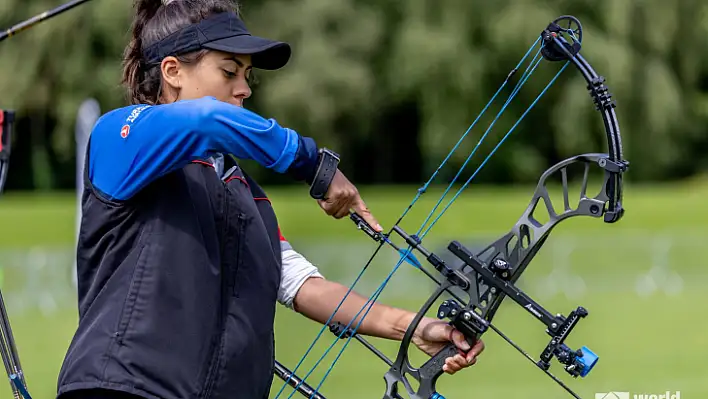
177, 289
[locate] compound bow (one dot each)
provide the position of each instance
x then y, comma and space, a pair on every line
485, 278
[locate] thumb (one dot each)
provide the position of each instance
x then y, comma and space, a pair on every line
459, 339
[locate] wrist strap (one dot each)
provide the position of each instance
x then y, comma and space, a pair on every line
326, 169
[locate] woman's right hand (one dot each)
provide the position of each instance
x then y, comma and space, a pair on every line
343, 197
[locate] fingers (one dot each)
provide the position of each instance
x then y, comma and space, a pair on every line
457, 363
336, 206
361, 209
467, 356
338, 201
343, 197
459, 339
477, 349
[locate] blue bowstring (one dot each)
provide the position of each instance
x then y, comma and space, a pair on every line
419, 193
322, 331
518, 121
423, 189
370, 303
506, 136
368, 306
524, 77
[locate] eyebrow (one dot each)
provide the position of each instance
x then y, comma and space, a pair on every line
238, 62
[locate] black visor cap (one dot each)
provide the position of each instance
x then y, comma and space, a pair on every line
223, 32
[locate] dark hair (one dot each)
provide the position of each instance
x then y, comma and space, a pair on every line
153, 22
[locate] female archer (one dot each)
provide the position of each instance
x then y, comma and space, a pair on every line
180, 260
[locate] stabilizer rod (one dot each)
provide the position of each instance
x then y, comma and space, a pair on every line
39, 18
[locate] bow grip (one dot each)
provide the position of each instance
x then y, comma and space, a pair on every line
431, 370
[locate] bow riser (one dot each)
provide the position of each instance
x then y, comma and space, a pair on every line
471, 325
528, 235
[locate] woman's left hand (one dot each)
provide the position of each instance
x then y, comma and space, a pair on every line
432, 335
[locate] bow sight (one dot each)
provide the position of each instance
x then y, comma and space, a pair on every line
487, 277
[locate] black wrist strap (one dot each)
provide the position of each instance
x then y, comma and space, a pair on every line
326, 169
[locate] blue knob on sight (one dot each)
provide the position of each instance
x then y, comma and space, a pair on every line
587, 361
436, 396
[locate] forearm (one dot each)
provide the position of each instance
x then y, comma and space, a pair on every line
156, 140
318, 298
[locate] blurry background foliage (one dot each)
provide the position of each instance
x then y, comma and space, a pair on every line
392, 84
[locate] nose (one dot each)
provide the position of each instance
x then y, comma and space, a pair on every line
241, 91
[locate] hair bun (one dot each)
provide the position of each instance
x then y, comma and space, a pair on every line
148, 8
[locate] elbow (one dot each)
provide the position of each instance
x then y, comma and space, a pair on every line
201, 111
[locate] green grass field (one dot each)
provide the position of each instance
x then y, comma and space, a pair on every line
647, 327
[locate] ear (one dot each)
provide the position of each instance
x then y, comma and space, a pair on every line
171, 69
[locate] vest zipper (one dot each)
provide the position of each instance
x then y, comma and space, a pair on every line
214, 362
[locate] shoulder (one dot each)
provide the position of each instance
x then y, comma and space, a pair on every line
145, 114
118, 121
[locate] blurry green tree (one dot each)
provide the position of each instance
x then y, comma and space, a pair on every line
392, 84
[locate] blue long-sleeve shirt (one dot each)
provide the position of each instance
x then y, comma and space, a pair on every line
134, 145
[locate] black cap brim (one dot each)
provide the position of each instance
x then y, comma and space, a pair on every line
265, 54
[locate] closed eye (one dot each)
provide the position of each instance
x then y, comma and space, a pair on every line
229, 74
